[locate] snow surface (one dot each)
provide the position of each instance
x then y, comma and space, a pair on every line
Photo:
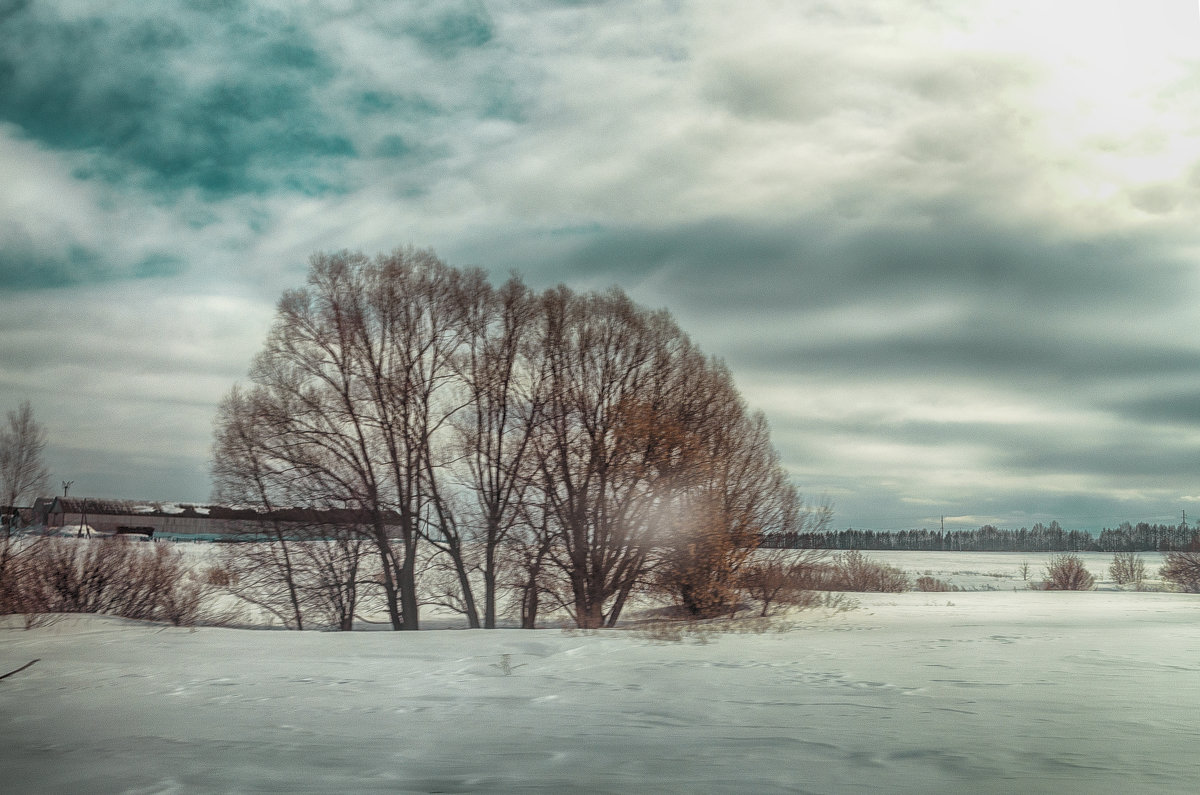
1005, 691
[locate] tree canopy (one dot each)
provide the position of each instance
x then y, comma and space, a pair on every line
568, 446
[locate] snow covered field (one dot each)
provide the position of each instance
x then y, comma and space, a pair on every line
1005, 691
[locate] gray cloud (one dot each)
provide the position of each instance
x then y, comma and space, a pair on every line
130, 94
454, 28
25, 264
1164, 407
816, 260
226, 99
948, 247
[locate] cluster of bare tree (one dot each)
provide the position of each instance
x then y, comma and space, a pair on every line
543, 450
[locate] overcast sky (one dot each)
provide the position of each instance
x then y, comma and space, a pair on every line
950, 247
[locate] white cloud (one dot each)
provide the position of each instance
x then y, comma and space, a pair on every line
949, 216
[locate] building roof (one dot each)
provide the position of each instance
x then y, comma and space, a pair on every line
110, 507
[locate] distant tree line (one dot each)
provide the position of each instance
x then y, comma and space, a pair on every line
1142, 537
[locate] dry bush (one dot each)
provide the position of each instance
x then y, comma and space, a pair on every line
854, 571
702, 631
782, 578
1127, 568
1066, 572
113, 576
13, 555
217, 576
1182, 570
934, 585
701, 558
665, 629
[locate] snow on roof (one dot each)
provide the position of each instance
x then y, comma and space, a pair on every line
107, 507
110, 507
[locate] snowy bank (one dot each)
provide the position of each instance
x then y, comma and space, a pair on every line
984, 692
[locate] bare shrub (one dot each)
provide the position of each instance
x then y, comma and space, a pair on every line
782, 578
1127, 568
1066, 572
934, 585
854, 571
1182, 570
702, 559
217, 576
703, 631
664, 628
16, 555
183, 603
114, 576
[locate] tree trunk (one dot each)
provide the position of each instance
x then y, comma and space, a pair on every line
407, 577
489, 589
290, 576
387, 569
529, 605
464, 584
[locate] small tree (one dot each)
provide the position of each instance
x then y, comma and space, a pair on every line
1127, 568
22, 445
1066, 572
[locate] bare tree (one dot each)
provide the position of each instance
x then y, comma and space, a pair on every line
718, 485
23, 472
651, 469
778, 575
725, 491
494, 432
310, 571
348, 400
600, 354
22, 475
528, 573
245, 473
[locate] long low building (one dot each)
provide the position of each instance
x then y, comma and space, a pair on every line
183, 520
